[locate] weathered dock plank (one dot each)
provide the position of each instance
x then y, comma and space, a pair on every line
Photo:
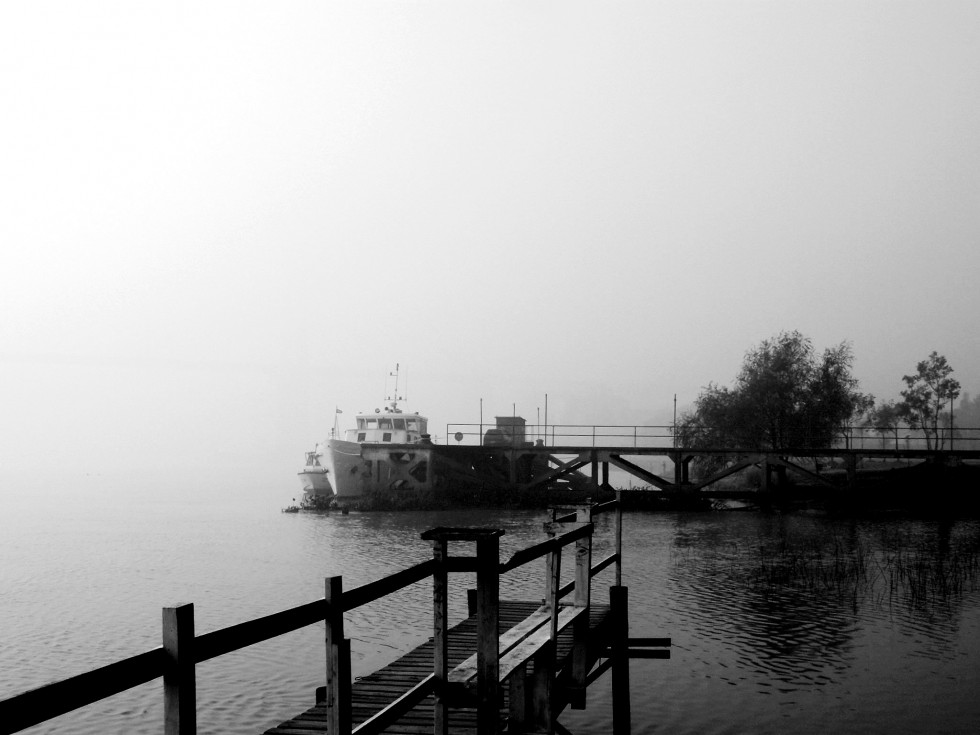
371, 693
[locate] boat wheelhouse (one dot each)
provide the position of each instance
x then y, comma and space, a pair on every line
390, 427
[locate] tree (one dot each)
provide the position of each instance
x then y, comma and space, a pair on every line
783, 398
886, 418
927, 394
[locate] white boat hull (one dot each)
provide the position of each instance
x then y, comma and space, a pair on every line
316, 486
363, 469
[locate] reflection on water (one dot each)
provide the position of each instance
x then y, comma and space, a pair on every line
800, 624
780, 623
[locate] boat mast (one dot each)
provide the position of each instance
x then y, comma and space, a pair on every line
394, 398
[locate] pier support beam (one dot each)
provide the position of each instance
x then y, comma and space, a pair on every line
682, 469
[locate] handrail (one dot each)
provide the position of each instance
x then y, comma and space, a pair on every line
234, 637
609, 505
601, 565
531, 553
52, 700
569, 587
383, 587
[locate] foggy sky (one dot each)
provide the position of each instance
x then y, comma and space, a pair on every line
221, 221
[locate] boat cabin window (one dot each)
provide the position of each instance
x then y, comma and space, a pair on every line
384, 423
367, 423
399, 424
386, 437
361, 436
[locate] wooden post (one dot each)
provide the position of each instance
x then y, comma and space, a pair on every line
440, 635
179, 680
518, 719
583, 560
580, 629
337, 660
619, 538
488, 644
487, 622
619, 602
539, 698
554, 584
552, 577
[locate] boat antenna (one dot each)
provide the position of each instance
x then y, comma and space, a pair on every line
394, 397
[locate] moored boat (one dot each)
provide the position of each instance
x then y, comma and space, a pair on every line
314, 478
386, 451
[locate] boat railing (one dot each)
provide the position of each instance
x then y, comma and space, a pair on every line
175, 660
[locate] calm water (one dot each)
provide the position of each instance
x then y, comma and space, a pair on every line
780, 623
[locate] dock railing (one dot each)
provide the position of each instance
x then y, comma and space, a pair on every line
565, 435
663, 436
181, 650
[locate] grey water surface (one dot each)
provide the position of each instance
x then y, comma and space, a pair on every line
780, 623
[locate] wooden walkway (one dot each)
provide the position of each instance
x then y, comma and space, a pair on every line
510, 667
371, 693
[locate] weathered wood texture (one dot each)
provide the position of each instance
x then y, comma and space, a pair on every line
371, 693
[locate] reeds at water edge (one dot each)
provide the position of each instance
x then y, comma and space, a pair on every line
899, 569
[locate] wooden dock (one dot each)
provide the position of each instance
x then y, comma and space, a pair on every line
372, 693
510, 666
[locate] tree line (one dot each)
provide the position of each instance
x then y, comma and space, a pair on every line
787, 397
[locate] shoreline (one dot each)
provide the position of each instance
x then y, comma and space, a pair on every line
922, 489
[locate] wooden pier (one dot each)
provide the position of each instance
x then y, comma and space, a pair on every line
524, 466
371, 694
511, 666
514, 458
